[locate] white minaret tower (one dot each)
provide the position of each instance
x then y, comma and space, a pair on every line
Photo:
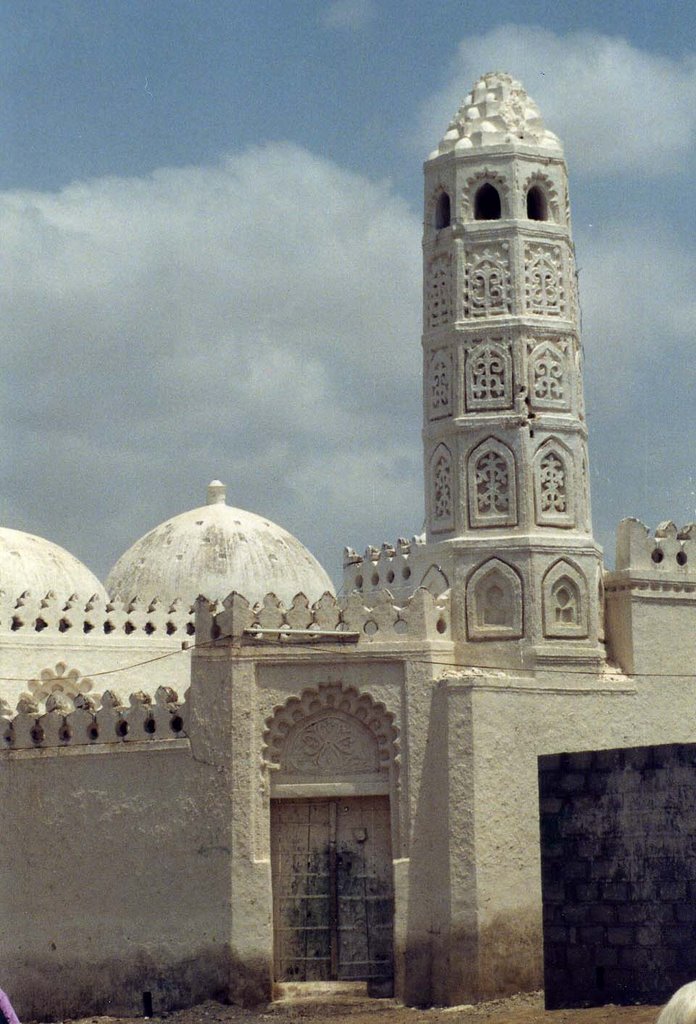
505, 441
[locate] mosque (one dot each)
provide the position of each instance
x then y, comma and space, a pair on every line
218, 777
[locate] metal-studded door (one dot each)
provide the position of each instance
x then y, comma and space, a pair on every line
332, 889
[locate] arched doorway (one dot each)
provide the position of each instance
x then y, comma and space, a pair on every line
331, 852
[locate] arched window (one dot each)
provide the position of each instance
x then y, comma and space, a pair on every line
487, 203
537, 205
443, 217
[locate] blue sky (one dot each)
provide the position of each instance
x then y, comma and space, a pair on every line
210, 243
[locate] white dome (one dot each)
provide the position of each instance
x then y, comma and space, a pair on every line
29, 563
214, 550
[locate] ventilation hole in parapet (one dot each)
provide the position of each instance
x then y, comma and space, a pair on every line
441, 625
7, 737
176, 723
487, 203
108, 627
358, 582
149, 725
129, 628
531, 432
375, 579
64, 734
657, 556
443, 215
190, 629
64, 625
390, 576
681, 558
370, 627
171, 628
149, 628
216, 632
87, 627
37, 734
406, 572
147, 1004
16, 623
39, 625
537, 207
122, 727
93, 731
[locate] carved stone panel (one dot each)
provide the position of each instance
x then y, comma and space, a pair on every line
442, 490
438, 292
549, 376
487, 283
494, 602
488, 375
565, 602
545, 288
331, 744
554, 485
440, 385
491, 480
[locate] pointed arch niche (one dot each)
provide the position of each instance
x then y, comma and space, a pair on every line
494, 602
554, 484
492, 485
441, 490
330, 738
565, 601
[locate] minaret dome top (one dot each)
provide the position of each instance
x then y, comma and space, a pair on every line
496, 112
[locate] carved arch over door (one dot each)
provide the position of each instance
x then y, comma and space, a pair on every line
330, 734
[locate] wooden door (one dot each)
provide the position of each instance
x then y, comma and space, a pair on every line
333, 900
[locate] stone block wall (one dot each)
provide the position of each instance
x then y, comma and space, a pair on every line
618, 857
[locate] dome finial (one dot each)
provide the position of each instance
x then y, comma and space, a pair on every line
217, 493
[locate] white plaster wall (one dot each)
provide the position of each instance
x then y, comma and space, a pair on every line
118, 864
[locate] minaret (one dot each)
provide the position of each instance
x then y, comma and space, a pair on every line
505, 441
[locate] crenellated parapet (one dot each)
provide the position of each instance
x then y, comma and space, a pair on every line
401, 568
669, 552
651, 599
357, 618
85, 720
48, 614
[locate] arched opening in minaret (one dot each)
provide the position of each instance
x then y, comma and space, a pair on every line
537, 206
487, 203
443, 217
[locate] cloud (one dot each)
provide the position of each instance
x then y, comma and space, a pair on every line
617, 108
256, 321
349, 14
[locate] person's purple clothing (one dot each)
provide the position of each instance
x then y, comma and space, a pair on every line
6, 1010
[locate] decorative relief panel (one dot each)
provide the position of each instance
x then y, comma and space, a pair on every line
549, 383
553, 485
488, 375
331, 744
440, 385
438, 292
494, 602
545, 291
487, 285
442, 499
492, 485
565, 601
330, 731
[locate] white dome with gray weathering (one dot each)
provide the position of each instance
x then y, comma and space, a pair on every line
214, 550
37, 566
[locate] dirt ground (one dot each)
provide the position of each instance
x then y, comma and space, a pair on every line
523, 1009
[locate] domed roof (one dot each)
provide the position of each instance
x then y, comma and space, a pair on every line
497, 110
29, 563
214, 550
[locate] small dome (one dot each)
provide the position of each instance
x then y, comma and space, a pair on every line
29, 563
214, 550
497, 111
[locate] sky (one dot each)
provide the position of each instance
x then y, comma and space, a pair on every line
210, 220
